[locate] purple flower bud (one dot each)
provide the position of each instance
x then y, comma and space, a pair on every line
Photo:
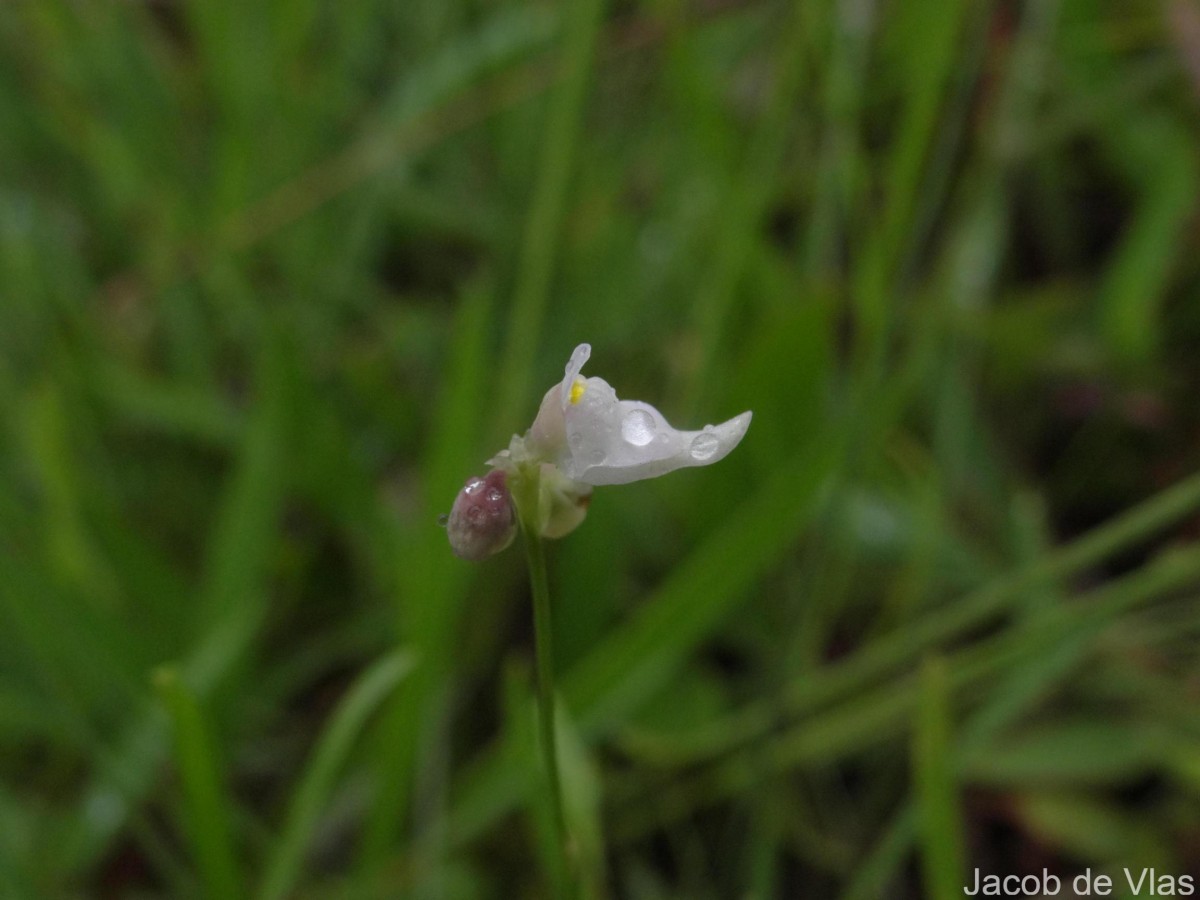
482, 521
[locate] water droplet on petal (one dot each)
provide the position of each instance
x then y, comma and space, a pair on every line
576, 440
474, 486
494, 496
597, 456
476, 515
443, 519
704, 445
638, 427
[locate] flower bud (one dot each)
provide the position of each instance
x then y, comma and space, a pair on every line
482, 521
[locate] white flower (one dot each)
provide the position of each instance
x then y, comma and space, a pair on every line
596, 438
584, 435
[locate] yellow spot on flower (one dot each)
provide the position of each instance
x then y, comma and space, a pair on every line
578, 386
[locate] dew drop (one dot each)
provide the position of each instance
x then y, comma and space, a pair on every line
494, 496
638, 427
476, 514
474, 486
597, 456
443, 519
704, 446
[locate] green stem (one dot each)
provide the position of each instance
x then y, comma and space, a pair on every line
526, 494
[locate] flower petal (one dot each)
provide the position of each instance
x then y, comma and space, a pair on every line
614, 441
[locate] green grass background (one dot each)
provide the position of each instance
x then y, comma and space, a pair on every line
276, 277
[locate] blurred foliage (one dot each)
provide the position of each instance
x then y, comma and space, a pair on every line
276, 278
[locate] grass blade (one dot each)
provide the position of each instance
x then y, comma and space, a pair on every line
205, 807
543, 228
286, 861
939, 819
